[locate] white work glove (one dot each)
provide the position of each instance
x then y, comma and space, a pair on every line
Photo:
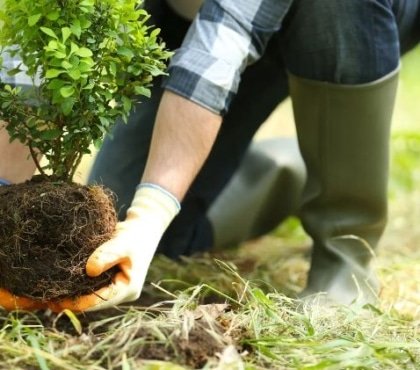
132, 249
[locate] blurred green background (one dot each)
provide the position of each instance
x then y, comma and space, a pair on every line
405, 163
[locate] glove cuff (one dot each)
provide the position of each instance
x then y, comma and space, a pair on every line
147, 185
154, 203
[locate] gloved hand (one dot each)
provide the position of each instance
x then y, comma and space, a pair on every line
132, 249
10, 302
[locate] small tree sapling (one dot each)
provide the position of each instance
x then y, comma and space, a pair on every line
89, 60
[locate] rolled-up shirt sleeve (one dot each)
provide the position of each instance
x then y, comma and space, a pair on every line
225, 37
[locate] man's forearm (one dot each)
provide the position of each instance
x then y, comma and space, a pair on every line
183, 136
15, 162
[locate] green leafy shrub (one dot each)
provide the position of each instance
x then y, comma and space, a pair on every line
92, 58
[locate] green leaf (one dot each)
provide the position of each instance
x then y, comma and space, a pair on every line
56, 84
67, 91
87, 3
84, 22
89, 86
104, 121
76, 29
50, 134
54, 15
126, 52
49, 32
14, 71
113, 68
74, 60
83, 67
74, 74
55, 62
66, 32
60, 55
73, 48
51, 73
84, 52
53, 45
65, 64
141, 90
98, 143
155, 33
31, 122
33, 19
6, 104
126, 103
67, 106
88, 61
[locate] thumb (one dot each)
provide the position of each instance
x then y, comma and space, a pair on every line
105, 257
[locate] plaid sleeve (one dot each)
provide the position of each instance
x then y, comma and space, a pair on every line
225, 37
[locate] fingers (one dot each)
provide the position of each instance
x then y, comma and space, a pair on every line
121, 289
101, 299
11, 302
106, 256
104, 298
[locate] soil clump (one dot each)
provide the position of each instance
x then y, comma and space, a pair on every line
48, 230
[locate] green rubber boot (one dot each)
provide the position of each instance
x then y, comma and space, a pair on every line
265, 190
343, 134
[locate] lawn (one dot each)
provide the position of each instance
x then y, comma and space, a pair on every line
232, 309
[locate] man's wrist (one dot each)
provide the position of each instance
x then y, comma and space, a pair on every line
145, 185
154, 204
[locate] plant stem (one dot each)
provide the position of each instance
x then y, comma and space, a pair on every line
76, 164
35, 159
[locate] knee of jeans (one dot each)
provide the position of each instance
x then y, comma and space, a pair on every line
341, 41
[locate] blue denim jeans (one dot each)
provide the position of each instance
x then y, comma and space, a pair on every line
339, 41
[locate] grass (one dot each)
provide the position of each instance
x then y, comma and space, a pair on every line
232, 309
253, 329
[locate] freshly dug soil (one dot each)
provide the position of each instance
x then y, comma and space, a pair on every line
48, 230
206, 338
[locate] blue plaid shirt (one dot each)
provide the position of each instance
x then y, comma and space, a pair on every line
225, 37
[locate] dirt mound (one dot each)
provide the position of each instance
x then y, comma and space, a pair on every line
47, 232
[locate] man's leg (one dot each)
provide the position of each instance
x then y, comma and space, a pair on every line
407, 15
271, 175
345, 54
265, 190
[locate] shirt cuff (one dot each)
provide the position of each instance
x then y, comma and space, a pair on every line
203, 79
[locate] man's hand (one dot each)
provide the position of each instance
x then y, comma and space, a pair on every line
132, 249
